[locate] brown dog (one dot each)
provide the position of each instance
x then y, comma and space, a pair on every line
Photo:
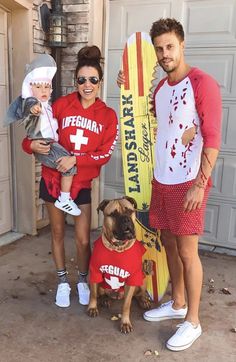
116, 262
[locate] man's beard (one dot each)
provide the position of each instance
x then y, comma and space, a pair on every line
166, 69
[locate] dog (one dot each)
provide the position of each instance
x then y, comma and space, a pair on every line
116, 263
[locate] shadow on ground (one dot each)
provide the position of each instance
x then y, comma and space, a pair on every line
33, 329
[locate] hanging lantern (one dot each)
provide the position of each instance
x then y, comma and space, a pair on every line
57, 30
54, 24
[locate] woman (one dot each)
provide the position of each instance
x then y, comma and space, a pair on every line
88, 129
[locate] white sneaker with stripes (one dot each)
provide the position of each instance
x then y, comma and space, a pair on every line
83, 293
63, 295
68, 206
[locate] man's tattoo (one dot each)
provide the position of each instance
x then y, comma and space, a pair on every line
203, 182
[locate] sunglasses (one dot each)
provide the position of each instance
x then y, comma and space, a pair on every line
93, 80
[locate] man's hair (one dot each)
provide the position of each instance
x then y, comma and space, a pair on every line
167, 25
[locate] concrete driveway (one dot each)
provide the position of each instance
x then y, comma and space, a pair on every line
33, 329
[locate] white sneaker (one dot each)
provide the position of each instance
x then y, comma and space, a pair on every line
165, 311
83, 293
63, 295
184, 337
68, 206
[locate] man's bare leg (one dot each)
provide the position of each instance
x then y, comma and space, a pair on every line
175, 266
193, 274
176, 309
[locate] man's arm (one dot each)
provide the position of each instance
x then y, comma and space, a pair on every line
208, 160
209, 108
120, 78
194, 196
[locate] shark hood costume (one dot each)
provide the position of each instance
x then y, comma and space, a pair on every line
41, 126
40, 70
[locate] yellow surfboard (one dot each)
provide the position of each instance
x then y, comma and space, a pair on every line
138, 126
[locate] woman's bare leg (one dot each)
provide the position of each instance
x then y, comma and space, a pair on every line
82, 237
188, 251
57, 223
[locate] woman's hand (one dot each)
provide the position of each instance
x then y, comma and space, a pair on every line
120, 78
65, 163
193, 198
40, 146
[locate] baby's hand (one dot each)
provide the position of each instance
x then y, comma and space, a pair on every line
36, 109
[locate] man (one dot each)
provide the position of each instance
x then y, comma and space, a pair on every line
188, 109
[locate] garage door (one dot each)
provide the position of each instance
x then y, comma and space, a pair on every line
210, 27
5, 163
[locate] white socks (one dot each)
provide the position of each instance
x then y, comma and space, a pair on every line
64, 196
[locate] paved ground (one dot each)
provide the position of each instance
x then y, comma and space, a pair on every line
33, 329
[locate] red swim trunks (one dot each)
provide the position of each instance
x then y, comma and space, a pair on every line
166, 209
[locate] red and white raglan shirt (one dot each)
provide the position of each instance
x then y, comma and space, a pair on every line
115, 269
194, 101
90, 134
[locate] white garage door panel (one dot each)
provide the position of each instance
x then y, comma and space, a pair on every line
112, 193
211, 221
217, 216
113, 103
114, 65
229, 177
229, 118
214, 17
232, 230
224, 177
134, 16
218, 63
138, 15
114, 170
227, 218
217, 177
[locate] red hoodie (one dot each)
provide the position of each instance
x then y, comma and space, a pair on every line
90, 134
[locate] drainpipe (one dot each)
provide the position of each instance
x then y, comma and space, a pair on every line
57, 40
56, 82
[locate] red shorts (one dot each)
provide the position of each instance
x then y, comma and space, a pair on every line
166, 209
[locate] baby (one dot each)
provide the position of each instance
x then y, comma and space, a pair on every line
33, 109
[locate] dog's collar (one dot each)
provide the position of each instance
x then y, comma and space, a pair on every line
110, 245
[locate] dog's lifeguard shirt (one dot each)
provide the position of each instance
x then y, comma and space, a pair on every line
193, 102
90, 134
115, 269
